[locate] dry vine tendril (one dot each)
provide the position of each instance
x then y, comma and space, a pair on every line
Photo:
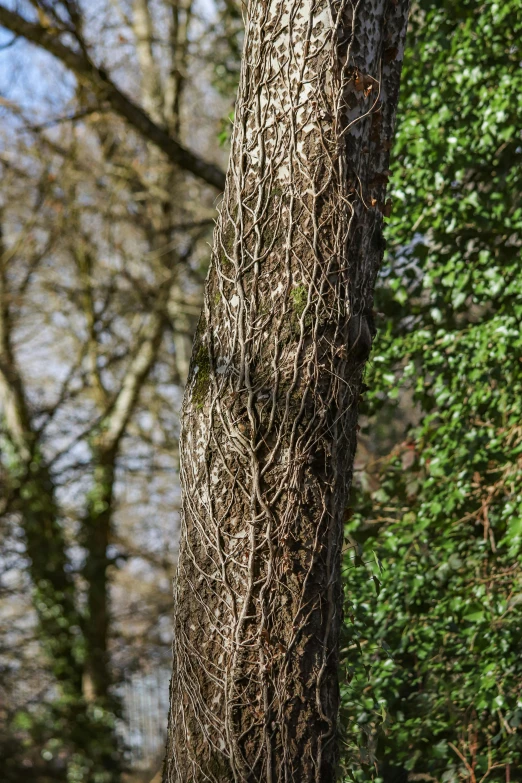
269, 418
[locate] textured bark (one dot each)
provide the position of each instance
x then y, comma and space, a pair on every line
270, 413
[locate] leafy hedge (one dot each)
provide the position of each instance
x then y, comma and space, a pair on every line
433, 635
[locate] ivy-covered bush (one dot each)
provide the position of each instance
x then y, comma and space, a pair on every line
433, 635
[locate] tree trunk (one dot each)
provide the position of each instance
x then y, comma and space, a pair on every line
270, 412
97, 528
60, 624
33, 496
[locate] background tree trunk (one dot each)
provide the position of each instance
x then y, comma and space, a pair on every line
63, 632
270, 412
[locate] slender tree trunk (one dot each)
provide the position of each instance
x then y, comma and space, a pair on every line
54, 595
270, 413
97, 528
33, 494
61, 628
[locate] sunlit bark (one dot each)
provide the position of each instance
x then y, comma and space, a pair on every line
270, 413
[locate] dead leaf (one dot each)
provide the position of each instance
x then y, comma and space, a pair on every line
388, 208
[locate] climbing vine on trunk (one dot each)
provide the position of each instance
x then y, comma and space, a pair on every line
270, 412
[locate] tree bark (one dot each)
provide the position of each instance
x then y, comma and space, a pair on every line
270, 412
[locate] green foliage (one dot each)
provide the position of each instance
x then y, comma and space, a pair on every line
225, 133
50, 735
439, 628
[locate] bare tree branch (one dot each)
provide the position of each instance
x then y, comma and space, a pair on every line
114, 423
99, 81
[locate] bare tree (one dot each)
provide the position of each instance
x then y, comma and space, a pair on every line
102, 259
36, 458
56, 20
270, 413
